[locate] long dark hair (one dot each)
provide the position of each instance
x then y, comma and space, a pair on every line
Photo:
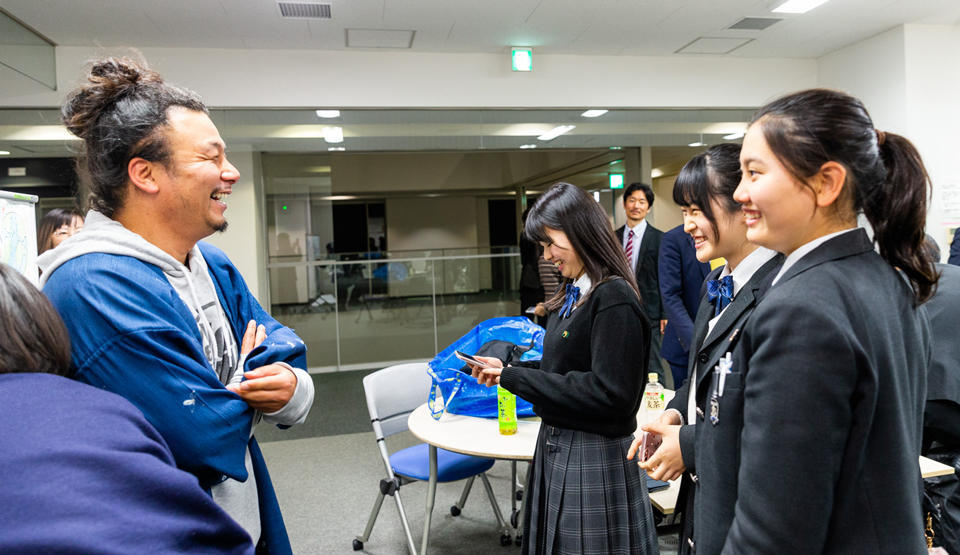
570, 209
885, 174
50, 223
119, 113
34, 338
712, 174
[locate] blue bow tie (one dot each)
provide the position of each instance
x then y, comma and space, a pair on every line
571, 298
722, 288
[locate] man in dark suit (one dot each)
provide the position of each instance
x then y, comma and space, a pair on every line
641, 244
955, 249
681, 277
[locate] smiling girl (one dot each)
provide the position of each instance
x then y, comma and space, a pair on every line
583, 496
815, 445
704, 191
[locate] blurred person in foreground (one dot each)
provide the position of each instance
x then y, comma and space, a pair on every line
84, 472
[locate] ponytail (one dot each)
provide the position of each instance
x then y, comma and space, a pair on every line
897, 211
888, 181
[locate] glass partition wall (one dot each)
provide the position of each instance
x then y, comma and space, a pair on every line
390, 233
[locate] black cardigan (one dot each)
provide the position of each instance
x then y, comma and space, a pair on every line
594, 364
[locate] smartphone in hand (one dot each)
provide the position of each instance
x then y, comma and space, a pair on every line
649, 442
471, 360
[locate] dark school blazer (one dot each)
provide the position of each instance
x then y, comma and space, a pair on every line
818, 433
647, 273
706, 353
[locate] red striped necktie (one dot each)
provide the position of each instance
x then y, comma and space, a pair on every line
628, 250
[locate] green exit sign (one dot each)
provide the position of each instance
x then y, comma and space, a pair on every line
522, 59
616, 181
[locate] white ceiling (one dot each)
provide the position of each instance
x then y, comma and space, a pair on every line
591, 27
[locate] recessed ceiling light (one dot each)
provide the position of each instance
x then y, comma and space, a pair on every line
734, 136
328, 113
593, 113
656, 172
333, 134
555, 132
336, 149
528, 146
4, 153
697, 143
798, 6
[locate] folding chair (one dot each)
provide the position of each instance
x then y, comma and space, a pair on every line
392, 394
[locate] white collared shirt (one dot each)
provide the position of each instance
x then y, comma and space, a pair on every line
741, 275
805, 249
637, 237
584, 283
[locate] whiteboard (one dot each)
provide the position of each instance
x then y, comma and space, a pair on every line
18, 233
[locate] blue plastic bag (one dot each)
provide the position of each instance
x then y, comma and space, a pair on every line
461, 394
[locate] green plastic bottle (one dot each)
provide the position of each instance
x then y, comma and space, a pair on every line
506, 411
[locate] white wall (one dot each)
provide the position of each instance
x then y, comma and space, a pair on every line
306, 78
909, 80
243, 240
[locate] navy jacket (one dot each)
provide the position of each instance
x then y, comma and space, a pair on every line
955, 249
85, 473
681, 276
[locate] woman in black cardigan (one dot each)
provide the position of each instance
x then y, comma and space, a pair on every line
814, 447
583, 496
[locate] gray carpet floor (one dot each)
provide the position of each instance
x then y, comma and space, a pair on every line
326, 473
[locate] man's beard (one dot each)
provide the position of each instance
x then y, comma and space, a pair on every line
222, 227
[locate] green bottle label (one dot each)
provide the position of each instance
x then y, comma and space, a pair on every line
506, 411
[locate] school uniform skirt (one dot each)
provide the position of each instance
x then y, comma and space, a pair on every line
584, 496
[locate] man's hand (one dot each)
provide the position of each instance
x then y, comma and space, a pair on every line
540, 310
253, 336
663, 326
268, 388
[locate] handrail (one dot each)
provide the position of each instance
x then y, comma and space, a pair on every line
309, 263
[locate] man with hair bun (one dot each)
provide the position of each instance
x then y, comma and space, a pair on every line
159, 317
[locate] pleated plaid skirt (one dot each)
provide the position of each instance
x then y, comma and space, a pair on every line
585, 497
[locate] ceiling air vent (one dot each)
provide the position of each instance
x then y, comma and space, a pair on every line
754, 23
304, 10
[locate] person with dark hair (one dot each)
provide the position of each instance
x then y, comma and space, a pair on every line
583, 496
56, 226
815, 413
704, 191
955, 249
83, 471
160, 317
640, 242
531, 292
681, 278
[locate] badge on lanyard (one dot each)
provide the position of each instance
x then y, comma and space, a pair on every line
717, 382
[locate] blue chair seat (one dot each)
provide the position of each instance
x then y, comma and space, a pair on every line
414, 462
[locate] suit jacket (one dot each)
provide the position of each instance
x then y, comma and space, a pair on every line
681, 278
818, 428
647, 273
707, 352
955, 249
941, 421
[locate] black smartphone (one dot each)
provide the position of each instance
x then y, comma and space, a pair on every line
471, 360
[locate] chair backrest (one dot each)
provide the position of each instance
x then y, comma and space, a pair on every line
393, 393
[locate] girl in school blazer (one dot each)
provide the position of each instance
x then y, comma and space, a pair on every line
818, 421
704, 191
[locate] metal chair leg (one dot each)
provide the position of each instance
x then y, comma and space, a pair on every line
406, 526
373, 518
493, 501
465, 493
431, 495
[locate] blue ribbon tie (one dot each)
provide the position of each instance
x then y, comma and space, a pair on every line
571, 298
721, 289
